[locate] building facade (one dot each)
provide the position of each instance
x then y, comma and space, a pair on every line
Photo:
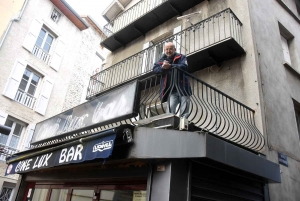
240, 140
47, 57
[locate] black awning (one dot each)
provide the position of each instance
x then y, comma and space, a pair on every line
78, 152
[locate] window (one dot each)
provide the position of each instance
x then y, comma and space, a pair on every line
12, 139
22, 86
27, 88
55, 15
5, 193
287, 44
43, 45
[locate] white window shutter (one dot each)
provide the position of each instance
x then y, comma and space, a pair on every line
177, 40
32, 35
28, 137
57, 55
44, 97
3, 117
14, 80
286, 52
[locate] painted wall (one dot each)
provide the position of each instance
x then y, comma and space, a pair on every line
8, 9
279, 86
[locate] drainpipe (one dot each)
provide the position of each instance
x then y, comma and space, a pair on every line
11, 22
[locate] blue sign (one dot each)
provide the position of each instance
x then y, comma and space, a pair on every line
98, 148
282, 159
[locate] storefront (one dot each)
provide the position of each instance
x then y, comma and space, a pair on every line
76, 157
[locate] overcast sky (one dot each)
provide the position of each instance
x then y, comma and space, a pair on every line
94, 8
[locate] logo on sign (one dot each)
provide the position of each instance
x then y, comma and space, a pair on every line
9, 169
103, 146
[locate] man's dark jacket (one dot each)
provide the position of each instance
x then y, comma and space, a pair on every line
182, 86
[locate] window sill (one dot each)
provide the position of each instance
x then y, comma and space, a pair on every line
289, 66
283, 4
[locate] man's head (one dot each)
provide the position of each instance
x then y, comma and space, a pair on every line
170, 49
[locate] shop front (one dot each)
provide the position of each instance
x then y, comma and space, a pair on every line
76, 156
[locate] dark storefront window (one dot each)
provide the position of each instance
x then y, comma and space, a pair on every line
86, 193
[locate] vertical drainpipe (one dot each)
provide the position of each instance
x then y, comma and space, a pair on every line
11, 22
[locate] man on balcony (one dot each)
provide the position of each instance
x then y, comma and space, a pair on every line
174, 85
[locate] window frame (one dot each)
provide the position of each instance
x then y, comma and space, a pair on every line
11, 134
59, 15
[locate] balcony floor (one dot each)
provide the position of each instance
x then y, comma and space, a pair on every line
214, 55
147, 22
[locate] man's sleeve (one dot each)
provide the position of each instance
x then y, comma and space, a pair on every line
182, 63
157, 67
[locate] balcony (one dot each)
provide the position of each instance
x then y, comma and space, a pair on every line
141, 18
6, 151
209, 111
206, 43
41, 54
25, 99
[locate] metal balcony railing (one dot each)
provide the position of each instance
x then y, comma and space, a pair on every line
202, 35
41, 54
130, 15
25, 98
209, 109
6, 151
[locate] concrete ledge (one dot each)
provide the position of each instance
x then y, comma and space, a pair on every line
152, 143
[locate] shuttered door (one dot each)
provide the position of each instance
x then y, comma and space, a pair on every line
212, 183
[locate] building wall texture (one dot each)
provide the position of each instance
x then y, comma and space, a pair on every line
70, 80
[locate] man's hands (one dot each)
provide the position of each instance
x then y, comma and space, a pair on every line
166, 65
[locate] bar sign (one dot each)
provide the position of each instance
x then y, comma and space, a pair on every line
282, 159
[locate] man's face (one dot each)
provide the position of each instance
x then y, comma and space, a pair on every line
169, 50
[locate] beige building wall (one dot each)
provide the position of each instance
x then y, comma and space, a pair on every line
9, 9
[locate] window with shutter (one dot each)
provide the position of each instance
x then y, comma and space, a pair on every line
27, 88
43, 45
44, 97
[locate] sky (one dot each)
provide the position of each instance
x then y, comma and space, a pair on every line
94, 8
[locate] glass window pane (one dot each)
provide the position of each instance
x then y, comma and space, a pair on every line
14, 141
124, 195
31, 89
3, 138
18, 129
42, 33
40, 195
39, 41
23, 84
26, 74
82, 195
49, 39
46, 47
59, 195
8, 123
35, 79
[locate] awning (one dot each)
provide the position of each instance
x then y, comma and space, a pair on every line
78, 152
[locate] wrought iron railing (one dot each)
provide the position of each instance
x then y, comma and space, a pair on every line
211, 31
6, 151
25, 98
209, 109
41, 54
130, 15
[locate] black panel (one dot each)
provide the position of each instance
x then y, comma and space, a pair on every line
215, 54
215, 183
147, 22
